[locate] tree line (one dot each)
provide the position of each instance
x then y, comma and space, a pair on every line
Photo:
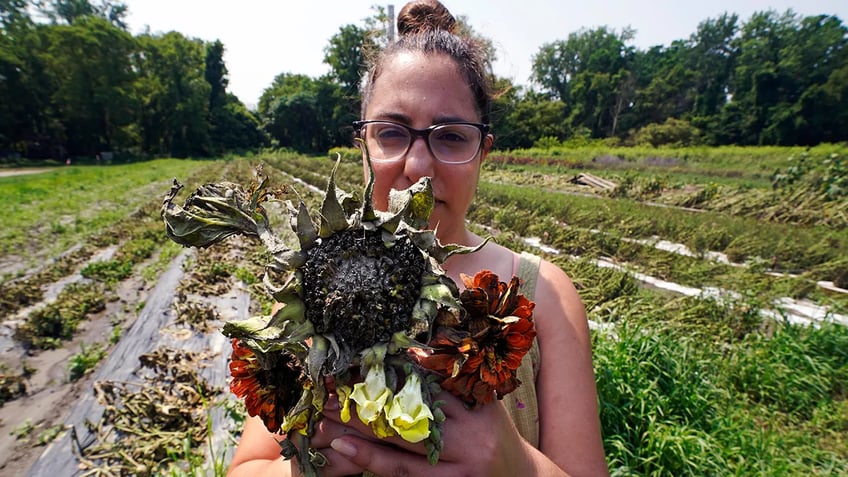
75, 82
777, 79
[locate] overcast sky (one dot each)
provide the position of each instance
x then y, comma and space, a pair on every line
264, 38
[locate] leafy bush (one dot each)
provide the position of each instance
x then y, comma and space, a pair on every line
673, 132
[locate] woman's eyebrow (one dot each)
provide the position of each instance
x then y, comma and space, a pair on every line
404, 119
397, 117
450, 119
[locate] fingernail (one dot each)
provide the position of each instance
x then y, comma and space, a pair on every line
343, 447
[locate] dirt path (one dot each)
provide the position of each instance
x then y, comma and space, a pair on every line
24, 171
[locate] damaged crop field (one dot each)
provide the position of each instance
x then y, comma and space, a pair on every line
715, 280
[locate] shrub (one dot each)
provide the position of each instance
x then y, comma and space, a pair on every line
673, 132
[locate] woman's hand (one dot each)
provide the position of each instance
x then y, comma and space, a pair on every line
483, 441
326, 431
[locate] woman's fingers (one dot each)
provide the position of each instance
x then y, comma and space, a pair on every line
383, 460
336, 464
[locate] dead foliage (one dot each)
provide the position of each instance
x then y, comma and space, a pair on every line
145, 424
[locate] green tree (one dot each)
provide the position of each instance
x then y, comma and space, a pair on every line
231, 125
663, 84
784, 61
523, 117
711, 56
345, 56
234, 128
590, 72
175, 95
69, 11
215, 73
12, 13
305, 114
88, 63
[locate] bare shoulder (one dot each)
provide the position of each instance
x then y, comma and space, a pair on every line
558, 305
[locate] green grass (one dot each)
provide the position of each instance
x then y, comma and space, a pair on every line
751, 163
47, 213
739, 237
671, 406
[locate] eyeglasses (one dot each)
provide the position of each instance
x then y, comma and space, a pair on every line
451, 143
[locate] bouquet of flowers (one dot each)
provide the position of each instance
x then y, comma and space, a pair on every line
366, 303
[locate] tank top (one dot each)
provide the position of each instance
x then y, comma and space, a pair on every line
522, 404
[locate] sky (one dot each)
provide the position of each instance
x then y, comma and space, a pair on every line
264, 38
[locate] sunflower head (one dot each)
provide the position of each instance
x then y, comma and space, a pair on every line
361, 280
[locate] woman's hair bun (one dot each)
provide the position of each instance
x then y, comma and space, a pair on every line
424, 15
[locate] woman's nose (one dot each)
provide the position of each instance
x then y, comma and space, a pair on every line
419, 160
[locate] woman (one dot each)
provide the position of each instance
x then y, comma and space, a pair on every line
425, 106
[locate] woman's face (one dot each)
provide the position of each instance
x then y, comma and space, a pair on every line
420, 91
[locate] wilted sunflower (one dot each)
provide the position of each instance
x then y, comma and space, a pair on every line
361, 286
480, 355
270, 384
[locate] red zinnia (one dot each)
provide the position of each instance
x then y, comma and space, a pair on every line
270, 385
484, 352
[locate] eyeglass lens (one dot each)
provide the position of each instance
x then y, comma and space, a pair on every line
451, 143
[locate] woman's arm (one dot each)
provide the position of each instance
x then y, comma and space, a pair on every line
258, 453
569, 432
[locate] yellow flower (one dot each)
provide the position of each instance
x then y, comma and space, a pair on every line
372, 395
298, 422
408, 414
382, 428
343, 391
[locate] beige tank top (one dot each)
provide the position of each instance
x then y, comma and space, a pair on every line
522, 404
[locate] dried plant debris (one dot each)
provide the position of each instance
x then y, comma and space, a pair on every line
19, 293
194, 313
150, 425
12, 386
209, 275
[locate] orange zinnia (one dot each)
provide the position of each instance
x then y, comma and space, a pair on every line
484, 352
270, 386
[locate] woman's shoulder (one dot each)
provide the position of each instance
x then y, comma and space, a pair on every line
557, 299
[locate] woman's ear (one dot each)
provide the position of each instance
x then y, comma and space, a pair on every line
488, 142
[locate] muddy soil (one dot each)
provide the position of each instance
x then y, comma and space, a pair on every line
50, 394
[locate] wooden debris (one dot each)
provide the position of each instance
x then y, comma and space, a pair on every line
593, 181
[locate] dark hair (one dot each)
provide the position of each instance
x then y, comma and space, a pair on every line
427, 27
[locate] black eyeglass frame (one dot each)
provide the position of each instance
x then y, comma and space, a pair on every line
425, 134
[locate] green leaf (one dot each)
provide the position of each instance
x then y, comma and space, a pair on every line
333, 218
304, 228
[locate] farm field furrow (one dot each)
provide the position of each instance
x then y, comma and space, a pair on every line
688, 385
